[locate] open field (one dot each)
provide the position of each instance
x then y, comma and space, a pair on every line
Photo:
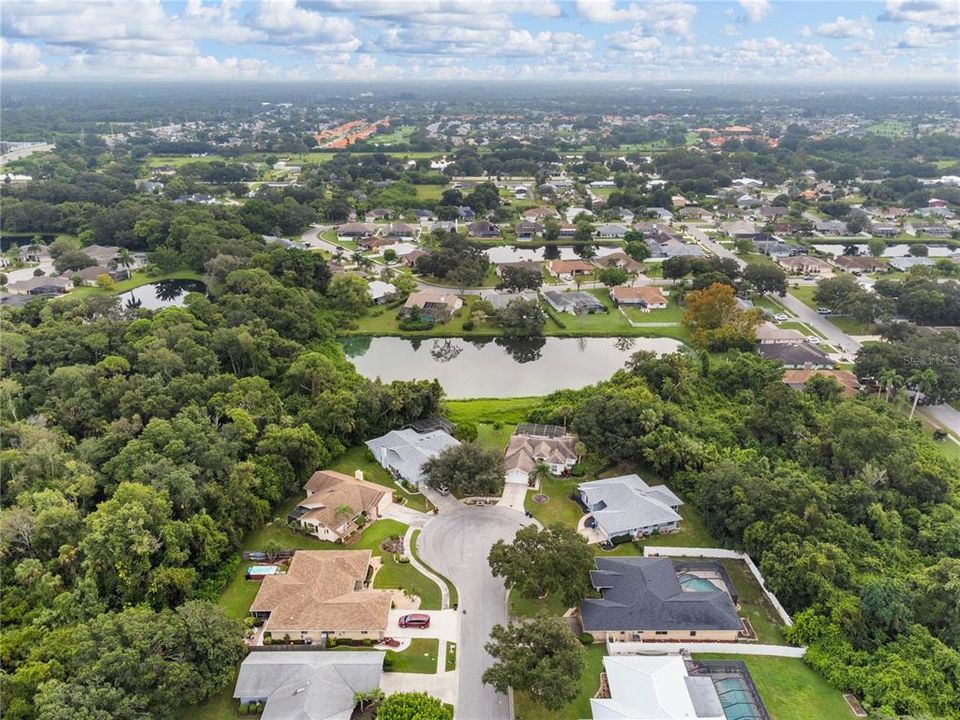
490, 410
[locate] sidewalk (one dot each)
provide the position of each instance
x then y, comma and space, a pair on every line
444, 592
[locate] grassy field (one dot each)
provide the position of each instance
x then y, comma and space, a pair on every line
888, 128
508, 411
527, 709
673, 313
429, 192
451, 588
136, 280
420, 657
521, 607
401, 134
790, 690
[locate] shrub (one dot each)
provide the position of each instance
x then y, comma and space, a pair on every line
369, 456
331, 642
586, 638
403, 559
468, 325
577, 470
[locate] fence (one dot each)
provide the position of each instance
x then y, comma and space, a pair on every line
674, 648
682, 552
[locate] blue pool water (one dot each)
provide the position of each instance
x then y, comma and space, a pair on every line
694, 583
262, 570
735, 699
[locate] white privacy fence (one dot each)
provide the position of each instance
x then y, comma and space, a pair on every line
674, 648
692, 552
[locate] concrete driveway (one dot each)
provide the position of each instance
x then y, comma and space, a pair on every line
444, 625
457, 544
513, 496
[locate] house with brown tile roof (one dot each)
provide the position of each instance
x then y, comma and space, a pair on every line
570, 267
337, 505
524, 452
798, 378
621, 260
860, 263
435, 306
323, 595
804, 264
643, 298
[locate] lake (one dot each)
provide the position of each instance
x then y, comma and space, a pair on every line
898, 250
509, 253
161, 294
498, 367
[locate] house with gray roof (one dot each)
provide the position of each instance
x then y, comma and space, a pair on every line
796, 355
308, 685
403, 452
908, 261
501, 298
626, 506
575, 303
646, 599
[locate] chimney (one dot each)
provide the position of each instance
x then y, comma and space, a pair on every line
358, 474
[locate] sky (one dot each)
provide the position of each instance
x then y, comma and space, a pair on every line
728, 41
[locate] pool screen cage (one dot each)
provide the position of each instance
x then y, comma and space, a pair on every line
743, 708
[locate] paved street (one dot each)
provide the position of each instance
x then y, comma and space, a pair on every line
456, 544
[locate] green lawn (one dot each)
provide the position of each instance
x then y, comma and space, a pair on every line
429, 192
579, 708
804, 293
221, 706
754, 604
790, 690
451, 661
692, 532
451, 588
560, 508
239, 594
406, 577
508, 411
136, 279
673, 313
420, 657
356, 459
522, 607
489, 436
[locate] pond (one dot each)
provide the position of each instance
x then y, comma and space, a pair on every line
498, 367
161, 294
510, 253
898, 250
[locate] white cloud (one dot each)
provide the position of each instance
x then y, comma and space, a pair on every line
843, 28
730, 30
805, 31
755, 10
287, 18
672, 18
919, 36
936, 13
634, 40
21, 58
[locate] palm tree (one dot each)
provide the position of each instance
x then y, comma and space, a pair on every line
923, 381
540, 472
343, 513
125, 260
887, 379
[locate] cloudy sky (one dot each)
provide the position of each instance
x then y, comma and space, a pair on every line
721, 40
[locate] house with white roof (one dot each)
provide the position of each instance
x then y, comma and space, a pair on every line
403, 452
627, 506
381, 291
640, 687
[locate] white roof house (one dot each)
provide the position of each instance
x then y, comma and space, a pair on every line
626, 505
308, 685
379, 290
655, 688
403, 452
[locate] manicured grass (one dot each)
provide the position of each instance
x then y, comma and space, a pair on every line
804, 293
451, 588
356, 459
526, 709
397, 575
560, 508
420, 657
489, 437
789, 689
180, 160
523, 607
289, 540
692, 532
754, 604
451, 659
429, 192
508, 411
672, 313
239, 594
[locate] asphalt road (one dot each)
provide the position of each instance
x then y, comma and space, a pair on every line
456, 544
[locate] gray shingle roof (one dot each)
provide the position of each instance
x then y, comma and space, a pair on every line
626, 504
644, 594
405, 451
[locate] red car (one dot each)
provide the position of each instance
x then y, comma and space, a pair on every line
415, 620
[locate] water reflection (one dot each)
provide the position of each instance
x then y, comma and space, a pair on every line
161, 294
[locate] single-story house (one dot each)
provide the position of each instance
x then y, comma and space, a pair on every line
626, 506
769, 333
528, 229
308, 685
692, 212
33, 253
90, 275
322, 595
673, 248
611, 231
567, 231
355, 230
621, 260
525, 450
907, 262
522, 264
410, 258
884, 230
775, 248
378, 214
501, 298
41, 285
398, 229
804, 265
329, 494
540, 213
796, 355
403, 452
625, 215
654, 688
381, 291
643, 599
375, 242
575, 303
859, 263
434, 306
740, 229
773, 212
747, 201
466, 213
797, 379
422, 215
562, 268
483, 229
660, 213
830, 227
644, 297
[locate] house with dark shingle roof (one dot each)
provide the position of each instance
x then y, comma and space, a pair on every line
643, 599
799, 355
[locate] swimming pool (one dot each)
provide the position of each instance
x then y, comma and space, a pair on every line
695, 583
735, 699
262, 570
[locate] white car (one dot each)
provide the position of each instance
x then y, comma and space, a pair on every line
780, 317
813, 339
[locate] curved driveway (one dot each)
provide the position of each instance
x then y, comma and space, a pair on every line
457, 544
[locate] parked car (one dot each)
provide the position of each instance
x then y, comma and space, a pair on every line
415, 620
780, 317
825, 311
812, 339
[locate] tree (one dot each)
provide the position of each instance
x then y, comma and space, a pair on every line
715, 320
105, 282
876, 246
857, 221
539, 474
389, 256
540, 657
923, 382
468, 274
73, 260
349, 293
556, 560
412, 706
919, 250
889, 380
516, 279
522, 318
613, 276
466, 469
551, 230
125, 260
766, 278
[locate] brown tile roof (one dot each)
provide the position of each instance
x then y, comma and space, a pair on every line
328, 490
564, 267
323, 591
648, 295
524, 451
847, 379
